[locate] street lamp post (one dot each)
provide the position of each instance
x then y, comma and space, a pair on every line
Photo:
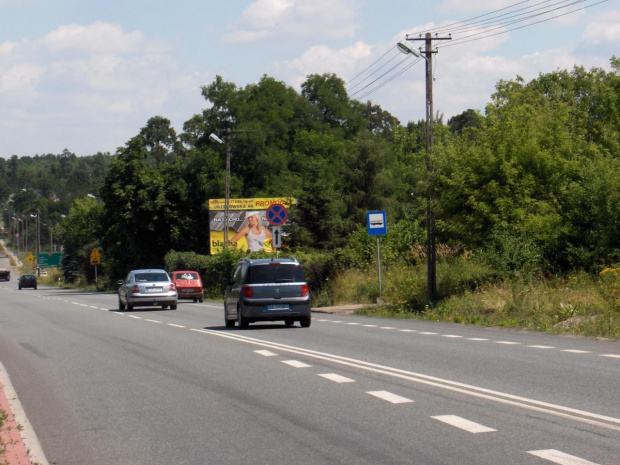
38, 217
214, 138
17, 236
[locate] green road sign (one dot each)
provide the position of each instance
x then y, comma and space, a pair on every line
49, 259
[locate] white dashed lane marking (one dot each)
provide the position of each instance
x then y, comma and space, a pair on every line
296, 363
560, 458
463, 424
336, 378
386, 395
266, 353
481, 339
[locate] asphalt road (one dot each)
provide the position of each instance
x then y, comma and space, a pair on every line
149, 386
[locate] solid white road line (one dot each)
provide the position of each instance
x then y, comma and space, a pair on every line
393, 398
336, 378
463, 424
558, 457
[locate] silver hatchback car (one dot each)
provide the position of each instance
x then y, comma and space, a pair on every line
147, 288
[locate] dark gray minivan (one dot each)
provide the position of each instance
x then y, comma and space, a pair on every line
267, 290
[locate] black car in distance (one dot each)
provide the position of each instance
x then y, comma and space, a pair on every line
27, 280
267, 290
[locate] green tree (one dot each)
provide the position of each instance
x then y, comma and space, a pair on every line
78, 234
138, 215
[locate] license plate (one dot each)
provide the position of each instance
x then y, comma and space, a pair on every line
154, 289
187, 291
278, 307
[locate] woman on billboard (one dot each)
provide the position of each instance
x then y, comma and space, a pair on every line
255, 233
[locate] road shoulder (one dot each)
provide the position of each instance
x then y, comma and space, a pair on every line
21, 444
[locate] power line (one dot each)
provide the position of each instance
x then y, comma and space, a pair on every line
479, 27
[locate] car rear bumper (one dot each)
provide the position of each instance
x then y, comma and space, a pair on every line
151, 300
191, 294
256, 312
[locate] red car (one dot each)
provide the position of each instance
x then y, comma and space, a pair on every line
189, 285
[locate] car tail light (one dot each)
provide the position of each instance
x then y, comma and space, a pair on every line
305, 292
172, 287
247, 292
135, 289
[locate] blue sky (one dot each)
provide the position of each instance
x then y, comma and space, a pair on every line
86, 75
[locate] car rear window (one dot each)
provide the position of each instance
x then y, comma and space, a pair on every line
186, 276
275, 273
150, 277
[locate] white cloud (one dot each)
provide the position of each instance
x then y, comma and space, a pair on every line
473, 5
89, 88
98, 37
604, 29
321, 59
21, 77
295, 20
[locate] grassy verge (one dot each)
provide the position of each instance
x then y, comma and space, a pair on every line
3, 417
579, 304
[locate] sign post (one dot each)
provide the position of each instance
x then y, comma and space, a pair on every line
377, 226
277, 215
95, 259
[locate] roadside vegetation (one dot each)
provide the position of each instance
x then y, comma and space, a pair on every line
526, 199
3, 418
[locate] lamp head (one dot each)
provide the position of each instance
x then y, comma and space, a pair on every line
213, 138
405, 48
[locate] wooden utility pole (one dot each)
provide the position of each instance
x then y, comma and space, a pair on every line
431, 257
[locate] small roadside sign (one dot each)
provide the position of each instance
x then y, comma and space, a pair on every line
276, 242
277, 214
376, 223
30, 258
95, 257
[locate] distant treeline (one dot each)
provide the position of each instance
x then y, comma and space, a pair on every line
536, 175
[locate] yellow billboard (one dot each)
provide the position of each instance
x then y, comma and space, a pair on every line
248, 228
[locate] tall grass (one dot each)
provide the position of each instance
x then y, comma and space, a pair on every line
470, 293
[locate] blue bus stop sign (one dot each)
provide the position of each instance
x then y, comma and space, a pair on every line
376, 223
